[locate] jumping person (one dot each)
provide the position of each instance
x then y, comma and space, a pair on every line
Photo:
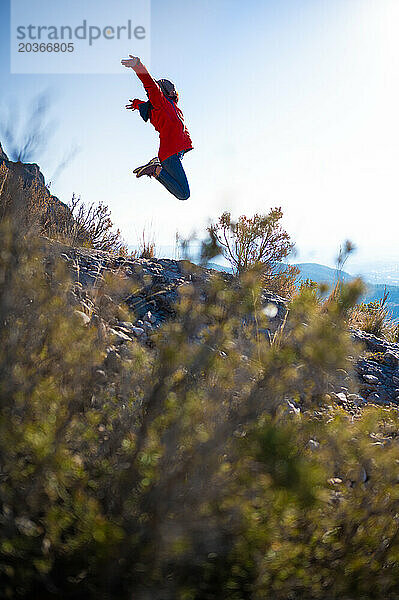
167, 118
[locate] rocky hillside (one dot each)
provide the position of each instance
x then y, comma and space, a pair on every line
156, 284
149, 290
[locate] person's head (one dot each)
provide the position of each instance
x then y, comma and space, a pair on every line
168, 89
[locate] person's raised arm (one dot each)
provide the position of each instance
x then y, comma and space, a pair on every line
153, 90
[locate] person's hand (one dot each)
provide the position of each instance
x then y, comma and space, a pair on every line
131, 105
131, 62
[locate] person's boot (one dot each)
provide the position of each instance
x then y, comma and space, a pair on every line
148, 169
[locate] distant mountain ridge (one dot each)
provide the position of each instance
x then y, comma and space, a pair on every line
321, 273
375, 291
314, 271
328, 275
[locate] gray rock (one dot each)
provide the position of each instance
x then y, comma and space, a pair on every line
100, 376
356, 398
292, 408
138, 331
341, 397
391, 359
313, 445
370, 378
150, 317
119, 335
374, 397
157, 281
127, 325
85, 319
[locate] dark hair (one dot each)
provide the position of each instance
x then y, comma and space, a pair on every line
168, 89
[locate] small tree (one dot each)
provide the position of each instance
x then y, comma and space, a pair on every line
257, 242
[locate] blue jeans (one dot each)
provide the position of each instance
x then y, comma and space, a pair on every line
173, 177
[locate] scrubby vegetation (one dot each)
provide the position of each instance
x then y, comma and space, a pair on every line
212, 465
375, 318
89, 226
146, 245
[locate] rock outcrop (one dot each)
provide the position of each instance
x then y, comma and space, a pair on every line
3, 155
157, 283
378, 369
31, 175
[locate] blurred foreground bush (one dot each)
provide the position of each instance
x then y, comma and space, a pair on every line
189, 476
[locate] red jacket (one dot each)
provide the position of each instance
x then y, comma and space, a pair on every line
166, 117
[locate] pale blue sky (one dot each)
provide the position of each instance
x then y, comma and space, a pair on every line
289, 102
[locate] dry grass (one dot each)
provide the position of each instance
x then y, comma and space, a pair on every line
89, 226
375, 318
146, 245
26, 206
